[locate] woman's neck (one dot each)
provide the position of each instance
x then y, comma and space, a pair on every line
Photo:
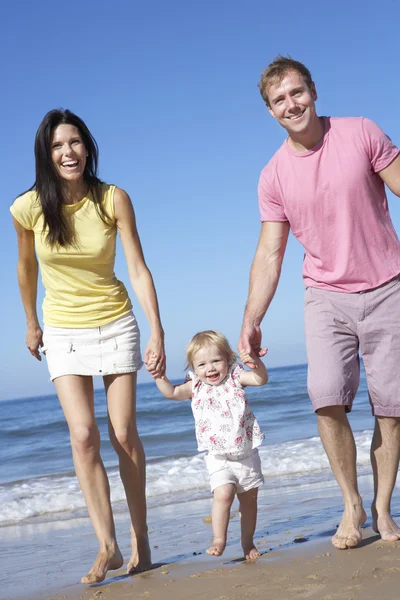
75, 191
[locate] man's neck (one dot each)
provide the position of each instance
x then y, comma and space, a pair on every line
310, 138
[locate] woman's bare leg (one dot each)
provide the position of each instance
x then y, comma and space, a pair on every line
77, 401
121, 398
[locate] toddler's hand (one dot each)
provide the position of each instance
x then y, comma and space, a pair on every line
246, 358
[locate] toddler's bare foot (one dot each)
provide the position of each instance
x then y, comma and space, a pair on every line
252, 554
217, 547
249, 549
141, 555
106, 560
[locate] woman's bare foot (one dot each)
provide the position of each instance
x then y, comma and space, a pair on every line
385, 526
349, 534
106, 560
217, 548
141, 554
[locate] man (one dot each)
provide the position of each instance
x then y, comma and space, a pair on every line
327, 183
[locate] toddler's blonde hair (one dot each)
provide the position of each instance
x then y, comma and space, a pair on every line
208, 338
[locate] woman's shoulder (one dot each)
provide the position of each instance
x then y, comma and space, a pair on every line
113, 196
106, 192
26, 209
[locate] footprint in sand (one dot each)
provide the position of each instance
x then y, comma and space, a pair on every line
346, 593
306, 591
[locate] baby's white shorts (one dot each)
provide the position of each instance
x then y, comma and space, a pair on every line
244, 472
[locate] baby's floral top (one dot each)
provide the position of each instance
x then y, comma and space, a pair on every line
225, 423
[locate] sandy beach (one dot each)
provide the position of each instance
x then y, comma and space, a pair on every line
307, 570
45, 561
47, 542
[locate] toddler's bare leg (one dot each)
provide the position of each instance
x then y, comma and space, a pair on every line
248, 520
223, 498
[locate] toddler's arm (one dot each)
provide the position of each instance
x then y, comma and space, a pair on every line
258, 375
174, 392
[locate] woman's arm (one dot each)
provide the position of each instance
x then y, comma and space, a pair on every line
27, 270
258, 375
174, 392
141, 280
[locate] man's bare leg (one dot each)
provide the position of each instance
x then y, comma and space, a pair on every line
248, 521
121, 398
385, 455
76, 398
338, 441
222, 502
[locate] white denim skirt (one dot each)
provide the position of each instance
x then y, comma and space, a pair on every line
107, 350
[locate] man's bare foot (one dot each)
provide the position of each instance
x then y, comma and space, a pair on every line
349, 533
217, 548
385, 526
141, 554
105, 561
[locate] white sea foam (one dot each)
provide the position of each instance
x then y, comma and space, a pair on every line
167, 481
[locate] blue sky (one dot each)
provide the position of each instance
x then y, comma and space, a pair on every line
169, 90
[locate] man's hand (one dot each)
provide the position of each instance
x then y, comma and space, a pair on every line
250, 345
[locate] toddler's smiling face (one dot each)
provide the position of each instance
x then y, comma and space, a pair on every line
210, 365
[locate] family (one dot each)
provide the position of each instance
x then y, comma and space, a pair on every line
327, 184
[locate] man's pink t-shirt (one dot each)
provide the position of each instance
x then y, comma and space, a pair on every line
336, 205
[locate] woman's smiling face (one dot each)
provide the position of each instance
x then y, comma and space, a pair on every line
68, 152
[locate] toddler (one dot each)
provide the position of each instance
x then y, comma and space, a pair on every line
226, 428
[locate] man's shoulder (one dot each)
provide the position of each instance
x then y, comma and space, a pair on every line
345, 121
359, 130
347, 125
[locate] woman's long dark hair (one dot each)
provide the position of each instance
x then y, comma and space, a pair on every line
50, 187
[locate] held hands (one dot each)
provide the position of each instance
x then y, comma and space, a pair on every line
250, 346
34, 340
154, 357
250, 359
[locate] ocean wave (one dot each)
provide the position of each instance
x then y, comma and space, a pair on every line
167, 480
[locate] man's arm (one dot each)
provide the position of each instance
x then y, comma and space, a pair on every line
391, 176
264, 277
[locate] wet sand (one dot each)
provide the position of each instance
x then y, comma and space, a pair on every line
307, 570
45, 561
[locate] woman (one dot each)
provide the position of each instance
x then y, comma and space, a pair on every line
69, 219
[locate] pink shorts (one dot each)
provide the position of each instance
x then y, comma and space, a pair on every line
339, 326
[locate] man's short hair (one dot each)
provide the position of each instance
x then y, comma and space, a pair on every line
277, 70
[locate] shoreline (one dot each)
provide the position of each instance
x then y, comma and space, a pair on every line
47, 560
309, 570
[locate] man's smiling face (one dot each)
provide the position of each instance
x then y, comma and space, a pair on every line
292, 103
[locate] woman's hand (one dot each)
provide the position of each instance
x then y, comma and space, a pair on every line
154, 356
34, 340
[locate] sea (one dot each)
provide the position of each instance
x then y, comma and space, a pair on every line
44, 523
